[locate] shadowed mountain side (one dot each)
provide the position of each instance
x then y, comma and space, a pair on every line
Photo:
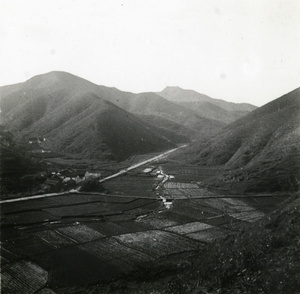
169, 129
65, 84
67, 111
264, 144
206, 106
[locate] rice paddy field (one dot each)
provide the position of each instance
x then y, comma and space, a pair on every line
66, 242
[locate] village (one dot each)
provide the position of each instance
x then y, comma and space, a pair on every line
67, 179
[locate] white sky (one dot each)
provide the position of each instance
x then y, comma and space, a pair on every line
237, 50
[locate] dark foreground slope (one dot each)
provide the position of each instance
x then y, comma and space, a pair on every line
206, 106
260, 151
74, 118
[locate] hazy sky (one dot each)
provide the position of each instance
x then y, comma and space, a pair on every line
241, 51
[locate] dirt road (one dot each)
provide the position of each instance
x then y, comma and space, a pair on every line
101, 181
140, 164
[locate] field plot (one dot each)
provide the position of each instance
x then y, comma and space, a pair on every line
189, 228
46, 291
266, 204
189, 173
27, 246
55, 239
248, 216
142, 207
78, 198
175, 194
209, 235
235, 208
80, 233
26, 218
22, 277
124, 258
158, 221
73, 266
109, 228
172, 215
194, 208
162, 243
178, 185
138, 203
28, 205
179, 190
194, 193
82, 209
132, 185
223, 220
135, 226
7, 256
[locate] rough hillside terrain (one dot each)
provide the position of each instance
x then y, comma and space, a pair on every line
74, 118
260, 150
168, 114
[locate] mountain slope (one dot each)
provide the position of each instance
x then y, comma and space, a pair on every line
73, 117
151, 104
206, 106
264, 145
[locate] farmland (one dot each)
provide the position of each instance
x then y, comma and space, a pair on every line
76, 239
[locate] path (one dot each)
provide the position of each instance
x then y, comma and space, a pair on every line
140, 164
101, 181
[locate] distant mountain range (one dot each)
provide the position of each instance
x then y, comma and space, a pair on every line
263, 146
206, 106
91, 121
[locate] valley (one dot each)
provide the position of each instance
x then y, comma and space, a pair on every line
101, 238
106, 191
155, 215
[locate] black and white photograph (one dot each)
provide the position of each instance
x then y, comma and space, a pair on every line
150, 147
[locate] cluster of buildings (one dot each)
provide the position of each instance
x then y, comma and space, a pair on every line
67, 179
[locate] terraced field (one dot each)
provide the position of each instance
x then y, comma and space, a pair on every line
162, 243
190, 173
80, 233
54, 244
126, 185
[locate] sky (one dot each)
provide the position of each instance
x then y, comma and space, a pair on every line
236, 50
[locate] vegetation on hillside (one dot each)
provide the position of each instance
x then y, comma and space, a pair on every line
260, 151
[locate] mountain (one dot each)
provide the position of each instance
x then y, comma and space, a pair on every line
74, 118
262, 148
206, 106
163, 113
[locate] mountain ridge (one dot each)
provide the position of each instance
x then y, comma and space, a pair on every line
71, 114
206, 106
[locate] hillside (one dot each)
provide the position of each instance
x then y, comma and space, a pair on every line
169, 114
70, 113
15, 165
260, 151
206, 106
